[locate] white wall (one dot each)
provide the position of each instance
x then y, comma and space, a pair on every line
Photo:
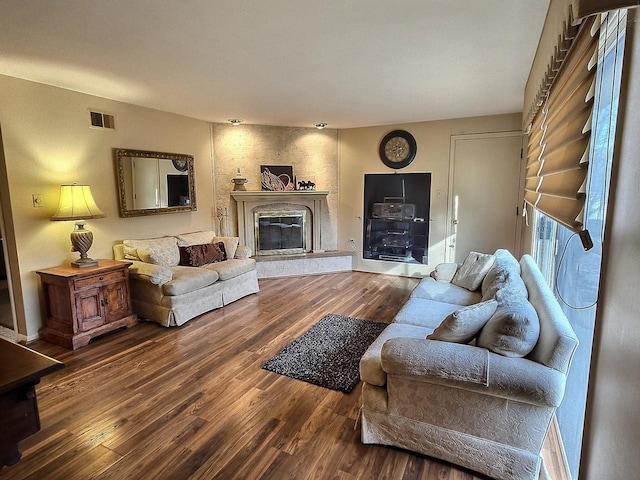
359, 155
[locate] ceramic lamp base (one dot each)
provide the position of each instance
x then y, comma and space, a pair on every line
81, 240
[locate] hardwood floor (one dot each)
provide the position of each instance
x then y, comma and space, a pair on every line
193, 402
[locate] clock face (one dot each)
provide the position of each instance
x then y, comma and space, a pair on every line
398, 149
180, 164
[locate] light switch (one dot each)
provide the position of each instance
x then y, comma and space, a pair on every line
37, 199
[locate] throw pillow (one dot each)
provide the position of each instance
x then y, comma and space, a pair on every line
195, 238
465, 323
473, 270
513, 329
130, 253
444, 272
203, 254
230, 244
164, 249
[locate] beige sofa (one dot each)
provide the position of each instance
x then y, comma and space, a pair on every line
167, 289
481, 391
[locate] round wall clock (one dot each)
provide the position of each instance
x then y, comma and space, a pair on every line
180, 164
398, 149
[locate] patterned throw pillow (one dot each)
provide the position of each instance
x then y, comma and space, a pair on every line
203, 254
159, 251
195, 238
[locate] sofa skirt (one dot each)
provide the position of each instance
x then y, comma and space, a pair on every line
496, 460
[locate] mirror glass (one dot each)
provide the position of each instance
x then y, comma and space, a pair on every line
151, 183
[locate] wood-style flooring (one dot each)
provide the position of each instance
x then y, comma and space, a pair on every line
193, 402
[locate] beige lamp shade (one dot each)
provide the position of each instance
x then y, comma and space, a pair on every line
77, 203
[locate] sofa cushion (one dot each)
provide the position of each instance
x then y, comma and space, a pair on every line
202, 254
195, 238
465, 323
230, 244
430, 289
370, 364
513, 329
232, 268
159, 251
156, 274
424, 312
504, 272
189, 279
473, 270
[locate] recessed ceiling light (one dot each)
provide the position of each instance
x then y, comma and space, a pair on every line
320, 125
235, 121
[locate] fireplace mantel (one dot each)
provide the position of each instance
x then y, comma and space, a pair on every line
247, 201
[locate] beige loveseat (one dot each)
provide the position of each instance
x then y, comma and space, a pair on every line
168, 289
483, 394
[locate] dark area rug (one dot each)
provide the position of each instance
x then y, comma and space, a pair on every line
328, 354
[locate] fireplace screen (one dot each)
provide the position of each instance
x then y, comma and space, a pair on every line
280, 233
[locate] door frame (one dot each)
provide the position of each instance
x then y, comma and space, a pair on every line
451, 229
9, 250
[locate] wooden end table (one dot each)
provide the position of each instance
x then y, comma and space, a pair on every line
83, 303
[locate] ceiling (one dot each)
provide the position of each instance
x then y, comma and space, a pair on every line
349, 63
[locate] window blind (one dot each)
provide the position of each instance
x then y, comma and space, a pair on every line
558, 145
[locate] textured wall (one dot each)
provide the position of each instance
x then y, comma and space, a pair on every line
313, 154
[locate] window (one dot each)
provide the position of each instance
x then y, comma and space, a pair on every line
573, 272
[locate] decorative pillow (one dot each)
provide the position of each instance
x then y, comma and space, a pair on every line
230, 244
444, 272
195, 238
159, 251
130, 253
465, 323
513, 329
473, 270
203, 254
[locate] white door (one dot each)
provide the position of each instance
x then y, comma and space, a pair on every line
484, 188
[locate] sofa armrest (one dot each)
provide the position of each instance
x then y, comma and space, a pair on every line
444, 272
156, 274
242, 252
473, 368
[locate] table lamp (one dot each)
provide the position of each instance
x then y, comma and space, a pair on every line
77, 203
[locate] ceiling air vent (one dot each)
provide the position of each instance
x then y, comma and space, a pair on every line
102, 120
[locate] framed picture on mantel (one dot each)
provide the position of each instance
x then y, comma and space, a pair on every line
277, 177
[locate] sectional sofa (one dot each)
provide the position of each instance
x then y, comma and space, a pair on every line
472, 369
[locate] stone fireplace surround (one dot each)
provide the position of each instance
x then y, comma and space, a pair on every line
250, 201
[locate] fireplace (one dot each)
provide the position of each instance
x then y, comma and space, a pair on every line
280, 232
284, 211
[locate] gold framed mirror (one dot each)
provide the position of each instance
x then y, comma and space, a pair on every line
154, 183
